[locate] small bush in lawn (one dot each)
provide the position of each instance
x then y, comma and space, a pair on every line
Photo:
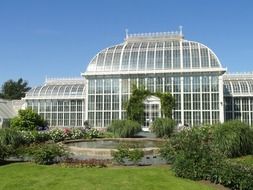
163, 127
46, 153
124, 128
233, 138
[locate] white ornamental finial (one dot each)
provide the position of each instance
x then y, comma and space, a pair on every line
181, 30
126, 30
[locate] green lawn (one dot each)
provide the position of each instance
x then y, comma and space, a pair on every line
30, 176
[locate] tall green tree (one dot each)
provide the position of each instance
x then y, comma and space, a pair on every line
14, 90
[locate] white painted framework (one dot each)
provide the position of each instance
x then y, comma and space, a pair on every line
148, 57
238, 97
163, 62
60, 101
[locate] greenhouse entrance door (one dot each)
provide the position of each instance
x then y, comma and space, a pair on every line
152, 110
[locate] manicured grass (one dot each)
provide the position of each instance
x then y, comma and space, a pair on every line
29, 176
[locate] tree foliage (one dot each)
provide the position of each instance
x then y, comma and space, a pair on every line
27, 120
13, 90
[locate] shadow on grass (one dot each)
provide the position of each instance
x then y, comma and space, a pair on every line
6, 162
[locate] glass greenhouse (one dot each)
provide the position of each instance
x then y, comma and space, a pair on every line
59, 101
161, 62
238, 97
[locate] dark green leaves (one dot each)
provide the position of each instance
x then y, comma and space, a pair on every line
14, 90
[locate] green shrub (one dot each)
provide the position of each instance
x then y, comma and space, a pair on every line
4, 152
6, 123
28, 136
34, 136
92, 133
163, 127
233, 174
121, 154
11, 138
168, 152
46, 153
41, 136
135, 155
10, 142
75, 133
124, 128
106, 134
27, 120
233, 138
192, 153
126, 153
196, 154
60, 134
57, 134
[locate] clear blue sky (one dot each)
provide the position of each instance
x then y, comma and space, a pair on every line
57, 38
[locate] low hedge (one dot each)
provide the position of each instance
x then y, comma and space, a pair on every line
233, 174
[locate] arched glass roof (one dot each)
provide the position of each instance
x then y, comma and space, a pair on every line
238, 87
149, 53
59, 88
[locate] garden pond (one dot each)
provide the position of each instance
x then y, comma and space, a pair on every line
102, 148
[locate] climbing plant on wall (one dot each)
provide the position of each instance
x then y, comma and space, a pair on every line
135, 105
167, 104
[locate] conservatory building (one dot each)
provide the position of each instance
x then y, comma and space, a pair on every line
59, 101
160, 62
